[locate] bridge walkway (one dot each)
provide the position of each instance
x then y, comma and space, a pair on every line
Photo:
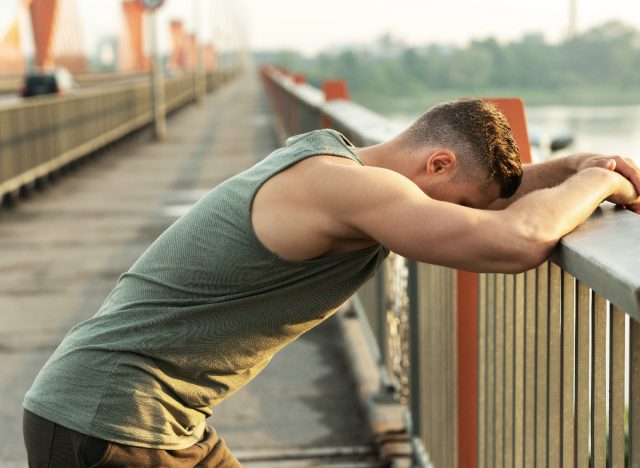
62, 250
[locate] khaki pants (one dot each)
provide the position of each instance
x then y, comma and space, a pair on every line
50, 445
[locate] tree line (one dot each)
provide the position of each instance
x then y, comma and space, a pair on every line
598, 66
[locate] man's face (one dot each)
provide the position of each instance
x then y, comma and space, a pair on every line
445, 179
472, 194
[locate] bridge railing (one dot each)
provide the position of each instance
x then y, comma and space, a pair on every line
533, 369
40, 135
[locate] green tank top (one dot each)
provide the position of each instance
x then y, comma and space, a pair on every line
198, 315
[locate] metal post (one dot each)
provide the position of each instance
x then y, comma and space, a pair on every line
381, 314
197, 33
157, 82
415, 397
467, 371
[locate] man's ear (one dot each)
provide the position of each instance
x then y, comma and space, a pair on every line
441, 162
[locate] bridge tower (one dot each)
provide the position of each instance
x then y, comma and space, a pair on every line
178, 40
192, 51
131, 48
56, 34
209, 57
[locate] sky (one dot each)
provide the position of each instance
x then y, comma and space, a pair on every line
310, 27
293, 24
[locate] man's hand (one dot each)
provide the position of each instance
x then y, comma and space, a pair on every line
626, 195
623, 166
555, 171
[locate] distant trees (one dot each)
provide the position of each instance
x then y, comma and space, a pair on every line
606, 57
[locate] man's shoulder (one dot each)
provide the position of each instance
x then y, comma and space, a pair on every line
318, 135
329, 170
341, 188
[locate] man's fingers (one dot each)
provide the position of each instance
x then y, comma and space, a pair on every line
628, 168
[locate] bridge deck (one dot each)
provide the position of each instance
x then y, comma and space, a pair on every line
62, 250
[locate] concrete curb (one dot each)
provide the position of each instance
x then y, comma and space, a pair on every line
386, 417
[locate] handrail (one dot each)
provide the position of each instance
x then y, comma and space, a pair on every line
604, 253
11, 83
40, 135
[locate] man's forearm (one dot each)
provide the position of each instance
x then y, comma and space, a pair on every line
560, 209
548, 214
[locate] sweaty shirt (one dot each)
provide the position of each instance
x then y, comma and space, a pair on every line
198, 315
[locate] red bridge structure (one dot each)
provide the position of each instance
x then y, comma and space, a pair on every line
58, 40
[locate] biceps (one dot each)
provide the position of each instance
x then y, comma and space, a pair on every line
447, 234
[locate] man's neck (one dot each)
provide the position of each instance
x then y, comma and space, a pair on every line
388, 155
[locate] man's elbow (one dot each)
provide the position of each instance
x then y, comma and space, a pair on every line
532, 246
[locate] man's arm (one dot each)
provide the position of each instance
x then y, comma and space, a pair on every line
390, 209
554, 171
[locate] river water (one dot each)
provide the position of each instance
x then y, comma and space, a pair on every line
608, 130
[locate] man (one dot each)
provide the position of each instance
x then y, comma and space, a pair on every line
272, 252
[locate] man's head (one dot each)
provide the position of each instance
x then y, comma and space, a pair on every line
468, 151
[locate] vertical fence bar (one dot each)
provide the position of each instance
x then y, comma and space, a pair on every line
582, 378
598, 383
518, 372
542, 311
432, 397
467, 378
443, 338
415, 395
530, 370
568, 330
436, 351
634, 394
6, 152
482, 369
381, 314
499, 372
491, 367
446, 396
553, 376
387, 322
452, 370
616, 388
509, 349
424, 294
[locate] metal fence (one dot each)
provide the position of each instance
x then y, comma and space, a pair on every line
500, 370
40, 135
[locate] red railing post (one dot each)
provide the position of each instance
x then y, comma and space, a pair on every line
467, 339
333, 89
467, 313
294, 123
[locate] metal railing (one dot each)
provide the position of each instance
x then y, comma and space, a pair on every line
10, 84
501, 370
40, 135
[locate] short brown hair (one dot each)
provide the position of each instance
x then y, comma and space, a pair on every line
477, 132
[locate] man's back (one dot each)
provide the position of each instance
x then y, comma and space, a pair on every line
196, 317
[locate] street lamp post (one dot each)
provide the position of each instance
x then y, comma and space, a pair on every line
198, 78
157, 77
